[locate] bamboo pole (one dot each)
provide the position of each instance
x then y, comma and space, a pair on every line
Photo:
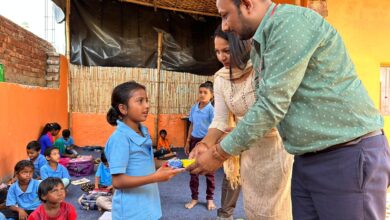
67, 53
159, 59
67, 27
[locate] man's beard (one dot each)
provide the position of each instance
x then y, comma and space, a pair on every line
246, 31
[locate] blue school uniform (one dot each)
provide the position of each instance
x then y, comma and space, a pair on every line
60, 172
45, 142
38, 163
28, 200
201, 119
129, 153
105, 176
68, 142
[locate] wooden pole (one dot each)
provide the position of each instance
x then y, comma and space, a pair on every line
159, 59
67, 53
67, 28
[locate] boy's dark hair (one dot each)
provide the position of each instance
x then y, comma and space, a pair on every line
163, 131
103, 157
22, 164
66, 133
121, 95
34, 145
47, 185
208, 85
48, 151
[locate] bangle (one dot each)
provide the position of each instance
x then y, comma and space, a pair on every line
202, 142
219, 154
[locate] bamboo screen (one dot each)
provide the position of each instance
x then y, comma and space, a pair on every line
91, 87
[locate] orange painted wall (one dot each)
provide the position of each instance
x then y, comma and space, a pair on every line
93, 129
24, 111
364, 26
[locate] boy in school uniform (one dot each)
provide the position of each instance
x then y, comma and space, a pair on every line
53, 168
103, 177
33, 151
66, 145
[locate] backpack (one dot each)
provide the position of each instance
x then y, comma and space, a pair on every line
87, 201
82, 166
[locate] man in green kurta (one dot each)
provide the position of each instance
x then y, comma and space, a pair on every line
307, 86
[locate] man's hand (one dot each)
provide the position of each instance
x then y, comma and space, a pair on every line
199, 148
208, 161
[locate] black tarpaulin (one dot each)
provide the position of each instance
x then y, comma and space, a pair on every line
111, 33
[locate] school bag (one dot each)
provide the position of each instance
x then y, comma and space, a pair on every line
87, 201
81, 166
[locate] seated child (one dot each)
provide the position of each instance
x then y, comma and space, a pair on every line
46, 138
163, 145
52, 193
66, 145
22, 196
53, 168
103, 177
33, 152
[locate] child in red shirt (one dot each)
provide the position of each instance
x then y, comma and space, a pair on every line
52, 193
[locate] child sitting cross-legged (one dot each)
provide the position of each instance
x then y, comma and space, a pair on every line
22, 196
53, 168
52, 193
103, 177
66, 145
33, 152
163, 146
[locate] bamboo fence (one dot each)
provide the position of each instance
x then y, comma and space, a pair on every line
92, 86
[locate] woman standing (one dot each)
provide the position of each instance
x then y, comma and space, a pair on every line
266, 194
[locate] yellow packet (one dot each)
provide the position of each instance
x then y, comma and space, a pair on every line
187, 162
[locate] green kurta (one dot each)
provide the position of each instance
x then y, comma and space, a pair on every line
308, 86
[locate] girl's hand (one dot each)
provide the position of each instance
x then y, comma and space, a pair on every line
166, 173
22, 214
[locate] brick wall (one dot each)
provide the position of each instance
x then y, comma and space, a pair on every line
23, 54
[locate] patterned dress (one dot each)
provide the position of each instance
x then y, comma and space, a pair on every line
266, 167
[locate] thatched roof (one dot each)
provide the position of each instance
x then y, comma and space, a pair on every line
202, 7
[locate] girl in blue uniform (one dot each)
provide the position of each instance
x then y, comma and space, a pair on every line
130, 156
